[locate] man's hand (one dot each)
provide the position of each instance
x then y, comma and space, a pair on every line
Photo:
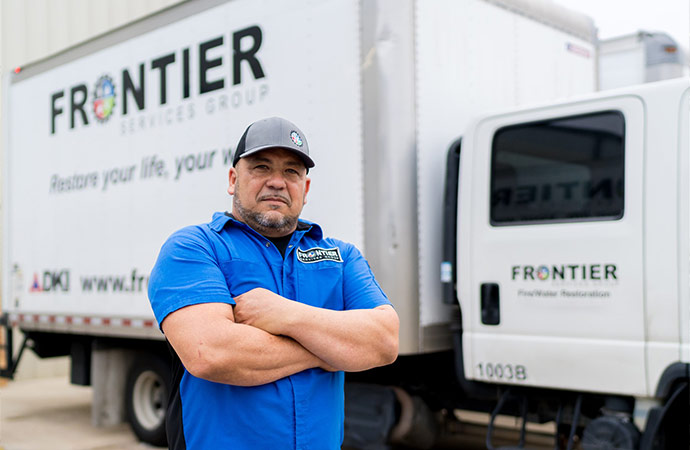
263, 309
350, 340
213, 347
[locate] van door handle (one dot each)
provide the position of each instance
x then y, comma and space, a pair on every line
491, 312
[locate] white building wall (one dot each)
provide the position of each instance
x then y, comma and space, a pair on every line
31, 30
34, 29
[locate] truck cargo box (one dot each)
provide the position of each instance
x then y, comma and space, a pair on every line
114, 144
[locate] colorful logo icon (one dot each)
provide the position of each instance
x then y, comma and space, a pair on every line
542, 272
35, 285
104, 98
296, 138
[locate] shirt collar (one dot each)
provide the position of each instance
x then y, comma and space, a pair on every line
220, 220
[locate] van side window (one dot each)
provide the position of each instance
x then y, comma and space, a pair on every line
559, 170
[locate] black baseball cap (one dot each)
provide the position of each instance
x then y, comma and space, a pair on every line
273, 132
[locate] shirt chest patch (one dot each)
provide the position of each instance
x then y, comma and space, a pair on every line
318, 254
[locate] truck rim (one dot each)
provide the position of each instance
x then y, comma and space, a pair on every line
148, 399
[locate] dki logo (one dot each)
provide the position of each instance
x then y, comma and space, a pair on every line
51, 281
245, 46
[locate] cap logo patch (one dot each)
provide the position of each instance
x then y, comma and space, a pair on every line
296, 138
317, 254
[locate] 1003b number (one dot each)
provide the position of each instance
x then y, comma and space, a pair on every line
498, 371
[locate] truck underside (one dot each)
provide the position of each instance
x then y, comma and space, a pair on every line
437, 387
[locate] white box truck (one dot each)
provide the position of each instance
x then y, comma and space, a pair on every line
638, 58
549, 284
573, 261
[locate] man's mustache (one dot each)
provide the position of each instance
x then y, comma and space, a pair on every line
282, 198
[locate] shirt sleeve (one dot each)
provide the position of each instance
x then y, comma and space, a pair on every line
186, 273
360, 288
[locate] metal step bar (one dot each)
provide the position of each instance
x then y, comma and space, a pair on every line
522, 399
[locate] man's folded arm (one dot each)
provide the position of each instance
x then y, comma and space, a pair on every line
352, 340
213, 347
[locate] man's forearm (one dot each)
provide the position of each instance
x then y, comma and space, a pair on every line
255, 358
213, 347
352, 340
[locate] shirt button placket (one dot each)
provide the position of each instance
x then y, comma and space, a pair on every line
300, 420
290, 280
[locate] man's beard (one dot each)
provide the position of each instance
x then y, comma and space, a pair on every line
263, 222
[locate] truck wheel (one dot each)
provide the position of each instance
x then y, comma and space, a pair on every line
146, 399
610, 433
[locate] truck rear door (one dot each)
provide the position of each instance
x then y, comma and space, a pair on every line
550, 247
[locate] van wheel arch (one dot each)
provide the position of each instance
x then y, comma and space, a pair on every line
673, 374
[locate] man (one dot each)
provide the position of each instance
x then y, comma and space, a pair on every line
264, 312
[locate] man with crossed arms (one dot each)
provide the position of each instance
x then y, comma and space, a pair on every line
264, 312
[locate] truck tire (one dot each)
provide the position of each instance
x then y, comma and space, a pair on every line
146, 398
610, 433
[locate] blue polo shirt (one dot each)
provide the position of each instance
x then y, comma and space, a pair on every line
220, 260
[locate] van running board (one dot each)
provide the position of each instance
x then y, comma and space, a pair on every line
522, 399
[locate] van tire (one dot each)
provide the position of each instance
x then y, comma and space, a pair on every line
146, 398
610, 433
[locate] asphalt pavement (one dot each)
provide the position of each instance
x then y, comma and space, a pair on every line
51, 414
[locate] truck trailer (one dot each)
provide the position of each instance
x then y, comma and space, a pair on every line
537, 257
637, 58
